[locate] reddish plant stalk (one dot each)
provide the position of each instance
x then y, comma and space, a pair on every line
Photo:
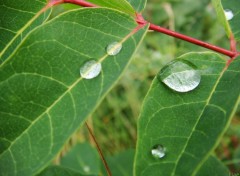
231, 54
99, 150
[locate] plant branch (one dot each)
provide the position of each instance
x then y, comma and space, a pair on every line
231, 54
139, 19
99, 150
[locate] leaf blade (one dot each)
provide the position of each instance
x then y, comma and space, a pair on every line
183, 138
213, 167
13, 30
43, 78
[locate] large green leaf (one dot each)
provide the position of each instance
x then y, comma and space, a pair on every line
17, 19
188, 125
121, 5
213, 167
231, 26
43, 98
138, 5
82, 158
121, 164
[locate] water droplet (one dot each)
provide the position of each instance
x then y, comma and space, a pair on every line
181, 76
229, 14
90, 69
114, 48
86, 168
158, 151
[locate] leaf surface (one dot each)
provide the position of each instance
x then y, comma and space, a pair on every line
44, 99
189, 125
231, 26
121, 164
82, 158
59, 171
17, 19
213, 167
121, 5
138, 5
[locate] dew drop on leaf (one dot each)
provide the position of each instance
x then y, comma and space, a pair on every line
180, 75
229, 14
90, 69
114, 48
86, 168
158, 151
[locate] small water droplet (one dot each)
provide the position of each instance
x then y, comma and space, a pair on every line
114, 48
229, 14
86, 168
158, 151
90, 69
180, 75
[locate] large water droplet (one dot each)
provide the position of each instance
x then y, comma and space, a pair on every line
158, 151
114, 48
229, 14
180, 75
90, 69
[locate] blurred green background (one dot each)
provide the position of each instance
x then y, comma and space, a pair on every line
114, 123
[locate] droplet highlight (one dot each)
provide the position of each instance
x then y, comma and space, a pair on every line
114, 48
229, 14
180, 76
86, 168
90, 69
158, 151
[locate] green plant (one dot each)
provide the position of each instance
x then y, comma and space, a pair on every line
44, 100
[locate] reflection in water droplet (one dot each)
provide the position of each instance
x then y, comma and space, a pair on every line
86, 168
180, 75
114, 48
90, 69
158, 151
229, 14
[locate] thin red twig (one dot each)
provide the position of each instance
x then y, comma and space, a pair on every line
99, 150
193, 40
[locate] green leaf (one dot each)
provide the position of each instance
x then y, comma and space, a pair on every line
45, 100
82, 158
17, 19
138, 5
231, 26
189, 125
59, 171
121, 5
121, 164
213, 167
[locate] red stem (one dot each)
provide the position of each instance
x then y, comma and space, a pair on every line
231, 54
99, 150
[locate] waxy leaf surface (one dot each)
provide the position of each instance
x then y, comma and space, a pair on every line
189, 125
82, 158
17, 19
43, 98
213, 167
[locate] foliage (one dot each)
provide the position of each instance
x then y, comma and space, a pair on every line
44, 101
